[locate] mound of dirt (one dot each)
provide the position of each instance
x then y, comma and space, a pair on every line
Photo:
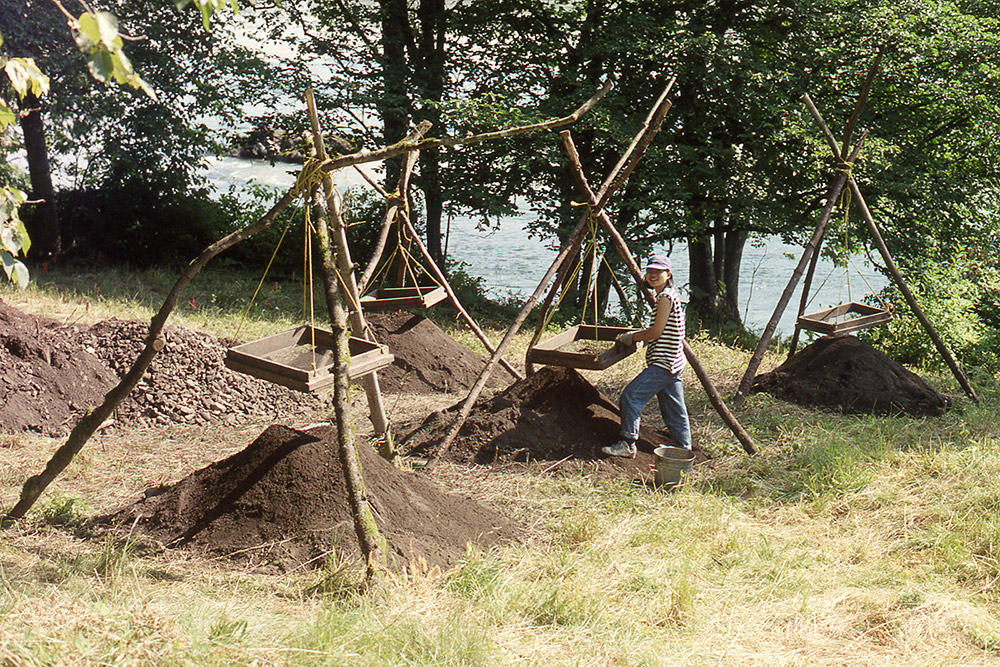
51, 373
46, 379
282, 500
427, 360
188, 382
844, 373
554, 417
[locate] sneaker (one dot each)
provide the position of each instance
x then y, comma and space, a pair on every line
623, 448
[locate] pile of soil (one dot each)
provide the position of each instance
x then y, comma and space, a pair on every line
188, 382
427, 360
282, 501
843, 373
46, 379
554, 418
51, 373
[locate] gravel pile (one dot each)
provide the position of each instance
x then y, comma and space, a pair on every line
188, 382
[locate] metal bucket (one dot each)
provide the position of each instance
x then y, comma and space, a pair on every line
673, 465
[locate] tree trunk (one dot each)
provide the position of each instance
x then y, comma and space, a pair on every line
429, 73
701, 276
394, 105
430, 184
370, 540
42, 224
714, 279
732, 262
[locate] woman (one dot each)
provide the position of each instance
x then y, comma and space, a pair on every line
664, 363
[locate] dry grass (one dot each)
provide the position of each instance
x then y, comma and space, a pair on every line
846, 541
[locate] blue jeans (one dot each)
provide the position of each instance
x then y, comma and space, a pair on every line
669, 392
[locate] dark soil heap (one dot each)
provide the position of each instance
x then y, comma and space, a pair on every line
427, 360
51, 373
46, 379
843, 373
554, 417
282, 500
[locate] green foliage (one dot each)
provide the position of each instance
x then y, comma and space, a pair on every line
472, 294
140, 223
279, 247
97, 37
63, 510
25, 78
959, 291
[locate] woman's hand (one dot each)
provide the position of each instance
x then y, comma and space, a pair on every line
624, 339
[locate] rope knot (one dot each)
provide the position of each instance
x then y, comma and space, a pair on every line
310, 175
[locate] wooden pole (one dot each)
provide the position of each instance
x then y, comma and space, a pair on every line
612, 182
443, 280
395, 201
619, 242
911, 300
758, 354
625, 165
572, 245
804, 300
370, 540
91, 421
812, 247
345, 267
408, 144
890, 265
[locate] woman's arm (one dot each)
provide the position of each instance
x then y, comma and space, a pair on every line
663, 307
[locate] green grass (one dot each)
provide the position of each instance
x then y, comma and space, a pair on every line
846, 540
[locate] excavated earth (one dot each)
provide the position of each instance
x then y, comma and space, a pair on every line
554, 420
50, 373
426, 360
283, 501
843, 373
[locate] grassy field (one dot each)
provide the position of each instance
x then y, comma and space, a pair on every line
845, 541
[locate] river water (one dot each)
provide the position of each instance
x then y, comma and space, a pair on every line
511, 263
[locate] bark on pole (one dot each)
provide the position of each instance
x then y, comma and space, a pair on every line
619, 242
370, 541
890, 265
345, 267
625, 166
408, 144
89, 423
92, 420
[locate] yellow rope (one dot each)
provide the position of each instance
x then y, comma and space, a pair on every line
307, 282
274, 254
309, 176
571, 278
595, 266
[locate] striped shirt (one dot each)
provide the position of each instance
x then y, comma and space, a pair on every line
667, 351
